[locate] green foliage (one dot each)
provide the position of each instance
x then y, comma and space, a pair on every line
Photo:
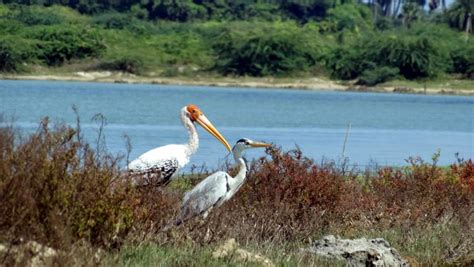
411, 12
37, 15
34, 15
342, 42
261, 11
113, 20
349, 17
347, 62
306, 10
414, 56
281, 48
164, 50
14, 52
139, 12
378, 75
457, 14
263, 55
59, 44
121, 21
185, 10
463, 60
416, 52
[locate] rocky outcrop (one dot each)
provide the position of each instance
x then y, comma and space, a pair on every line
358, 252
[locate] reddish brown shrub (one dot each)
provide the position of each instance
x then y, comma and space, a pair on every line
422, 192
289, 197
465, 171
54, 189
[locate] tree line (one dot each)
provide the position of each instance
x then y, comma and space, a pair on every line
341, 39
301, 10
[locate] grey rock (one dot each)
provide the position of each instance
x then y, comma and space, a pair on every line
358, 252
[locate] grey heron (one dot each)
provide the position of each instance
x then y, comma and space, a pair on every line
217, 188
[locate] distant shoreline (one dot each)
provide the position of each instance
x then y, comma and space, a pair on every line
313, 83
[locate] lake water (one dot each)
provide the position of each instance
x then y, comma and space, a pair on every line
386, 128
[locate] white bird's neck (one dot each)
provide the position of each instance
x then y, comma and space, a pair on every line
193, 142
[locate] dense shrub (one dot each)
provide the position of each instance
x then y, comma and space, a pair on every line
113, 20
349, 17
265, 53
10, 56
290, 198
14, 52
122, 21
463, 60
35, 15
378, 75
348, 62
56, 189
58, 44
178, 11
416, 56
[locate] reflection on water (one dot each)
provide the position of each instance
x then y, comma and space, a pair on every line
386, 128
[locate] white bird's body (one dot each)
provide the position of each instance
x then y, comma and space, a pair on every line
163, 163
160, 154
217, 188
166, 160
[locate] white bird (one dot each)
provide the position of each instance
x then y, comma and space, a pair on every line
163, 163
217, 188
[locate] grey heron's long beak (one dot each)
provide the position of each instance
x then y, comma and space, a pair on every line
207, 125
259, 144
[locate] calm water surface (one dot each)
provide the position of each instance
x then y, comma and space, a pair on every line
386, 128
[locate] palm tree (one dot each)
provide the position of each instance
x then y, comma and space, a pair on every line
411, 12
459, 15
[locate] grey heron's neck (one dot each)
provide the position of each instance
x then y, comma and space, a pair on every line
193, 141
241, 175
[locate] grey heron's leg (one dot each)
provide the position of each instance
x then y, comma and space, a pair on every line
206, 213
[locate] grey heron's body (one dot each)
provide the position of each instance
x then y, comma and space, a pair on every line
217, 188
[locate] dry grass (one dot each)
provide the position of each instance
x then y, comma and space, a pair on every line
57, 190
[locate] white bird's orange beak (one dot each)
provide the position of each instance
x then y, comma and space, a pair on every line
207, 125
196, 115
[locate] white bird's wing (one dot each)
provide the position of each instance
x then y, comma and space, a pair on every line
165, 160
156, 157
208, 193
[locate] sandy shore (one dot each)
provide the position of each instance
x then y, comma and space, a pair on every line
286, 83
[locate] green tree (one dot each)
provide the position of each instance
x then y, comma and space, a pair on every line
459, 15
177, 10
411, 13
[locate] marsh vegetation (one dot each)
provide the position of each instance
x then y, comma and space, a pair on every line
64, 193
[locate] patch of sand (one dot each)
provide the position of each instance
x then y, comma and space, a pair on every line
296, 83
